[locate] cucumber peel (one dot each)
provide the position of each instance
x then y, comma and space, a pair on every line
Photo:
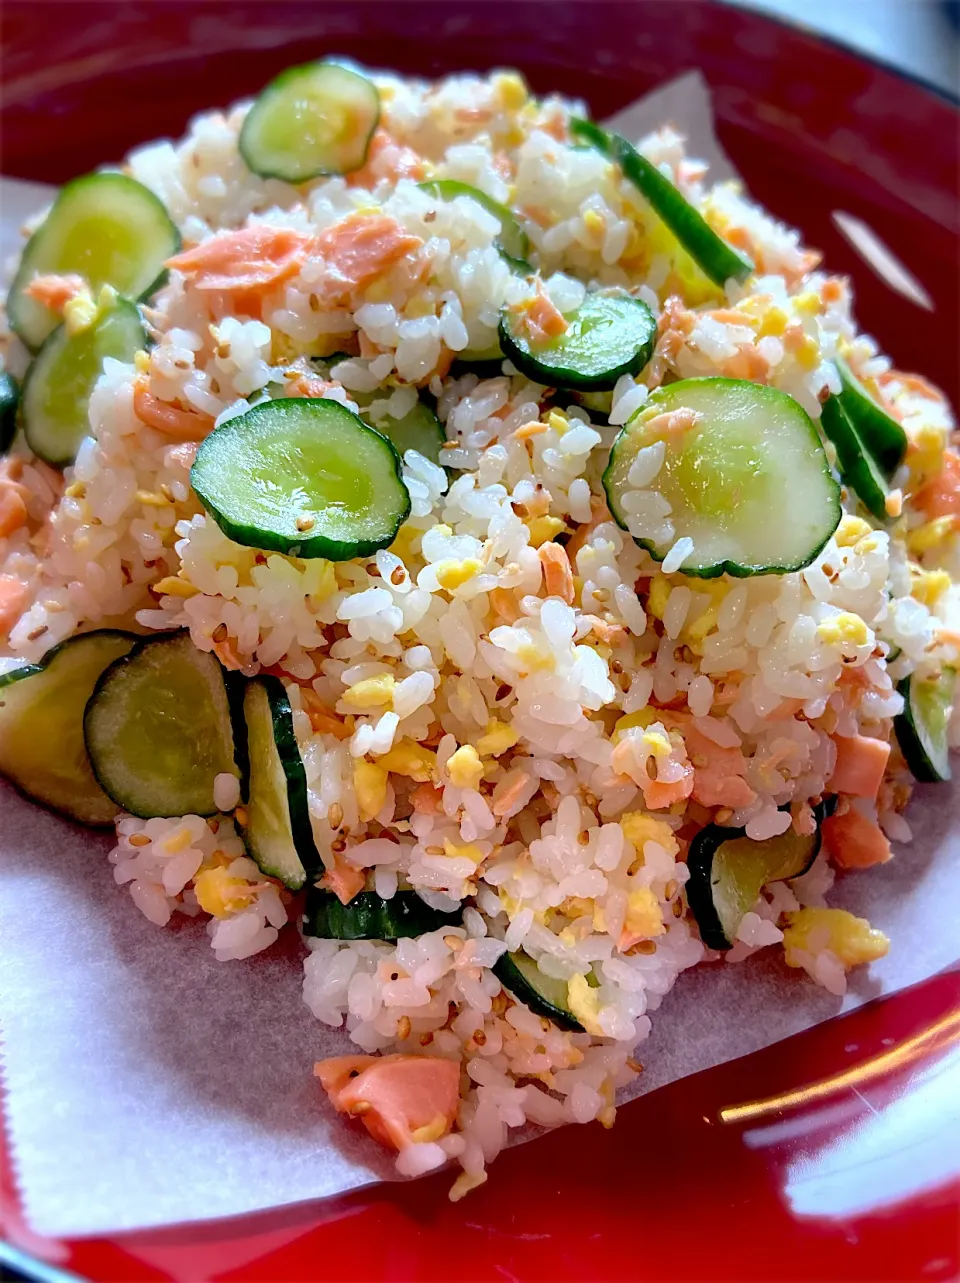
921, 729
544, 995
882, 435
512, 242
728, 870
857, 465
715, 258
369, 917
277, 828
9, 400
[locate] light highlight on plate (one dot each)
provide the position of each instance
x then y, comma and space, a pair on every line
907, 1148
878, 255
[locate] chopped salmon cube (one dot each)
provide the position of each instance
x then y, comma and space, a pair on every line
854, 840
861, 762
940, 497
344, 880
400, 1099
14, 595
55, 292
252, 258
356, 251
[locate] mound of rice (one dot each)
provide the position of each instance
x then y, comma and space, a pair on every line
535, 736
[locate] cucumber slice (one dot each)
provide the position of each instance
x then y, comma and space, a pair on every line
368, 917
485, 363
107, 228
749, 483
609, 335
9, 400
921, 728
278, 832
303, 477
513, 242
41, 725
880, 432
715, 258
728, 870
56, 391
544, 995
418, 430
236, 686
311, 120
857, 466
157, 729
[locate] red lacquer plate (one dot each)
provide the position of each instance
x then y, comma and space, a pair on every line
834, 1155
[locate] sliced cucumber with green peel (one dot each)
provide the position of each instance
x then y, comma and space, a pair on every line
277, 831
9, 400
749, 482
512, 241
419, 430
609, 335
304, 477
56, 391
311, 120
108, 229
236, 685
715, 258
485, 363
921, 728
158, 730
728, 871
857, 465
369, 917
544, 995
42, 747
883, 436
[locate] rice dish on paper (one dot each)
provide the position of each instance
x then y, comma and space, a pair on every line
637, 639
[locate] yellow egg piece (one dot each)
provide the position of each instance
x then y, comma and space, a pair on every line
465, 767
853, 940
219, 894
372, 692
584, 1003
644, 916
370, 786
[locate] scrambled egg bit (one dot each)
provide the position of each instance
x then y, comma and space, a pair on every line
412, 760
584, 1003
372, 692
852, 940
845, 629
452, 574
644, 917
465, 767
496, 739
638, 828
370, 786
220, 890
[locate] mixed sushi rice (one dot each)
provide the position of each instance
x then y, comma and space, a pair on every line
537, 721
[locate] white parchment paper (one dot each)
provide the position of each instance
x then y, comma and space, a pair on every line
146, 1084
